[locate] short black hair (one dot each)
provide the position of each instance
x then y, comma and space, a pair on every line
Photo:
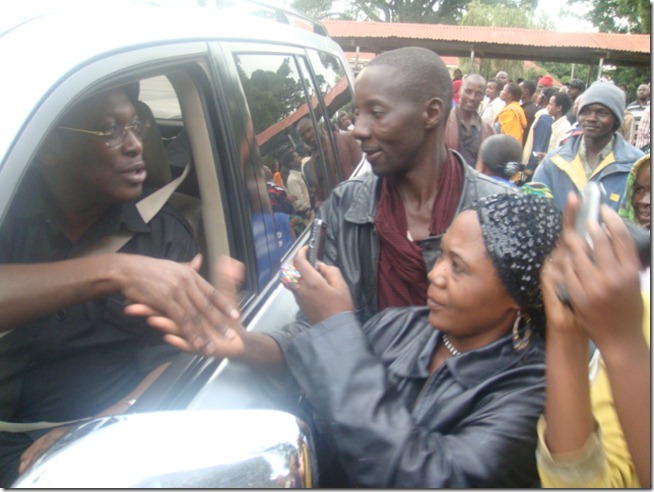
287, 157
498, 150
528, 86
515, 91
498, 84
564, 100
421, 70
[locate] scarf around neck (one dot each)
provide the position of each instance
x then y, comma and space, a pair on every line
402, 277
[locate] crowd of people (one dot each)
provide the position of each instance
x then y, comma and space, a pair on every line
542, 118
434, 346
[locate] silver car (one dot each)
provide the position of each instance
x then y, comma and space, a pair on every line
224, 89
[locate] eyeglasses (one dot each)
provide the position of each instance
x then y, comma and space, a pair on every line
115, 135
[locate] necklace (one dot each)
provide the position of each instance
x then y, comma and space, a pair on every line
448, 345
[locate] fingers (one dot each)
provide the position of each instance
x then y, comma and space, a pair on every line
230, 274
196, 262
570, 212
615, 244
202, 311
333, 276
138, 309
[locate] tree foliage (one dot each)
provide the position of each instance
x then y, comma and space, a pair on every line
413, 11
619, 16
272, 95
496, 15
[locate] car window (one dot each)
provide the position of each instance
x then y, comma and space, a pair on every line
277, 100
334, 88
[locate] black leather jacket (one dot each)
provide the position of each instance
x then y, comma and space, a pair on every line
352, 243
470, 424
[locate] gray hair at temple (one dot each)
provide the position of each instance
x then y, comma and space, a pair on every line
519, 231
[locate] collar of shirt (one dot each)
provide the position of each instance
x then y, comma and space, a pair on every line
473, 122
589, 167
32, 205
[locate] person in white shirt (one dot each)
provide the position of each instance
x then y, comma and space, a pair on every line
493, 103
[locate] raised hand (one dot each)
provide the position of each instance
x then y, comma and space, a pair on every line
195, 316
322, 292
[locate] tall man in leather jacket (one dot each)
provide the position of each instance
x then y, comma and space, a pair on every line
383, 228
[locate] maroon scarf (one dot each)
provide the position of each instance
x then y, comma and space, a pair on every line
402, 279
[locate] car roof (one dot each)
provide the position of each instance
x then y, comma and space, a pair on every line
41, 42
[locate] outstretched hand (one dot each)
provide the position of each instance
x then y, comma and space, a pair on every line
199, 318
321, 292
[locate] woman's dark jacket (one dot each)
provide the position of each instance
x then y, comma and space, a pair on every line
390, 424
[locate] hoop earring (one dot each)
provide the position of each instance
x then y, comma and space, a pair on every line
521, 342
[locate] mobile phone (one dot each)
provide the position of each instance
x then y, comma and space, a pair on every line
591, 199
317, 241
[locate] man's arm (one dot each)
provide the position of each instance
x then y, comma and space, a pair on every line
173, 289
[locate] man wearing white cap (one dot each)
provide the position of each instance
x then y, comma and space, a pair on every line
599, 154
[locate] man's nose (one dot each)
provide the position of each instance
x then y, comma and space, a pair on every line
133, 142
361, 129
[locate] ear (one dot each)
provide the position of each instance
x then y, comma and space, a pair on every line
434, 112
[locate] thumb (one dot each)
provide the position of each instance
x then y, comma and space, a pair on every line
196, 262
230, 274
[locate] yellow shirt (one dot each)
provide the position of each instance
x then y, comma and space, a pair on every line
604, 461
512, 121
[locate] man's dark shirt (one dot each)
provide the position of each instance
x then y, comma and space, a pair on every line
279, 199
80, 360
470, 140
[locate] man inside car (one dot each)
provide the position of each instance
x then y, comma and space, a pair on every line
67, 350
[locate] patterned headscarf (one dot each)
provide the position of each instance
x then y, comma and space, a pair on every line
626, 206
519, 231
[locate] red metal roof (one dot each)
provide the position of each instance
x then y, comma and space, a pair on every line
516, 41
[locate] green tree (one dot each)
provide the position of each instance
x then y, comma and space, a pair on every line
318, 9
271, 95
418, 11
498, 15
620, 16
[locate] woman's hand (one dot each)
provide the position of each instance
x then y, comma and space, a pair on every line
321, 293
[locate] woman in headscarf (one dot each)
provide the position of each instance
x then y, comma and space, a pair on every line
446, 395
636, 205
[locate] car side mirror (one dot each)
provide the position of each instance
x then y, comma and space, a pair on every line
180, 449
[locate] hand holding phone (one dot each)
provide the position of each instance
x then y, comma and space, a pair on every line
317, 241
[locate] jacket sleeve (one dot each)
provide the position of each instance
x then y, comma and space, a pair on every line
542, 134
377, 440
543, 172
